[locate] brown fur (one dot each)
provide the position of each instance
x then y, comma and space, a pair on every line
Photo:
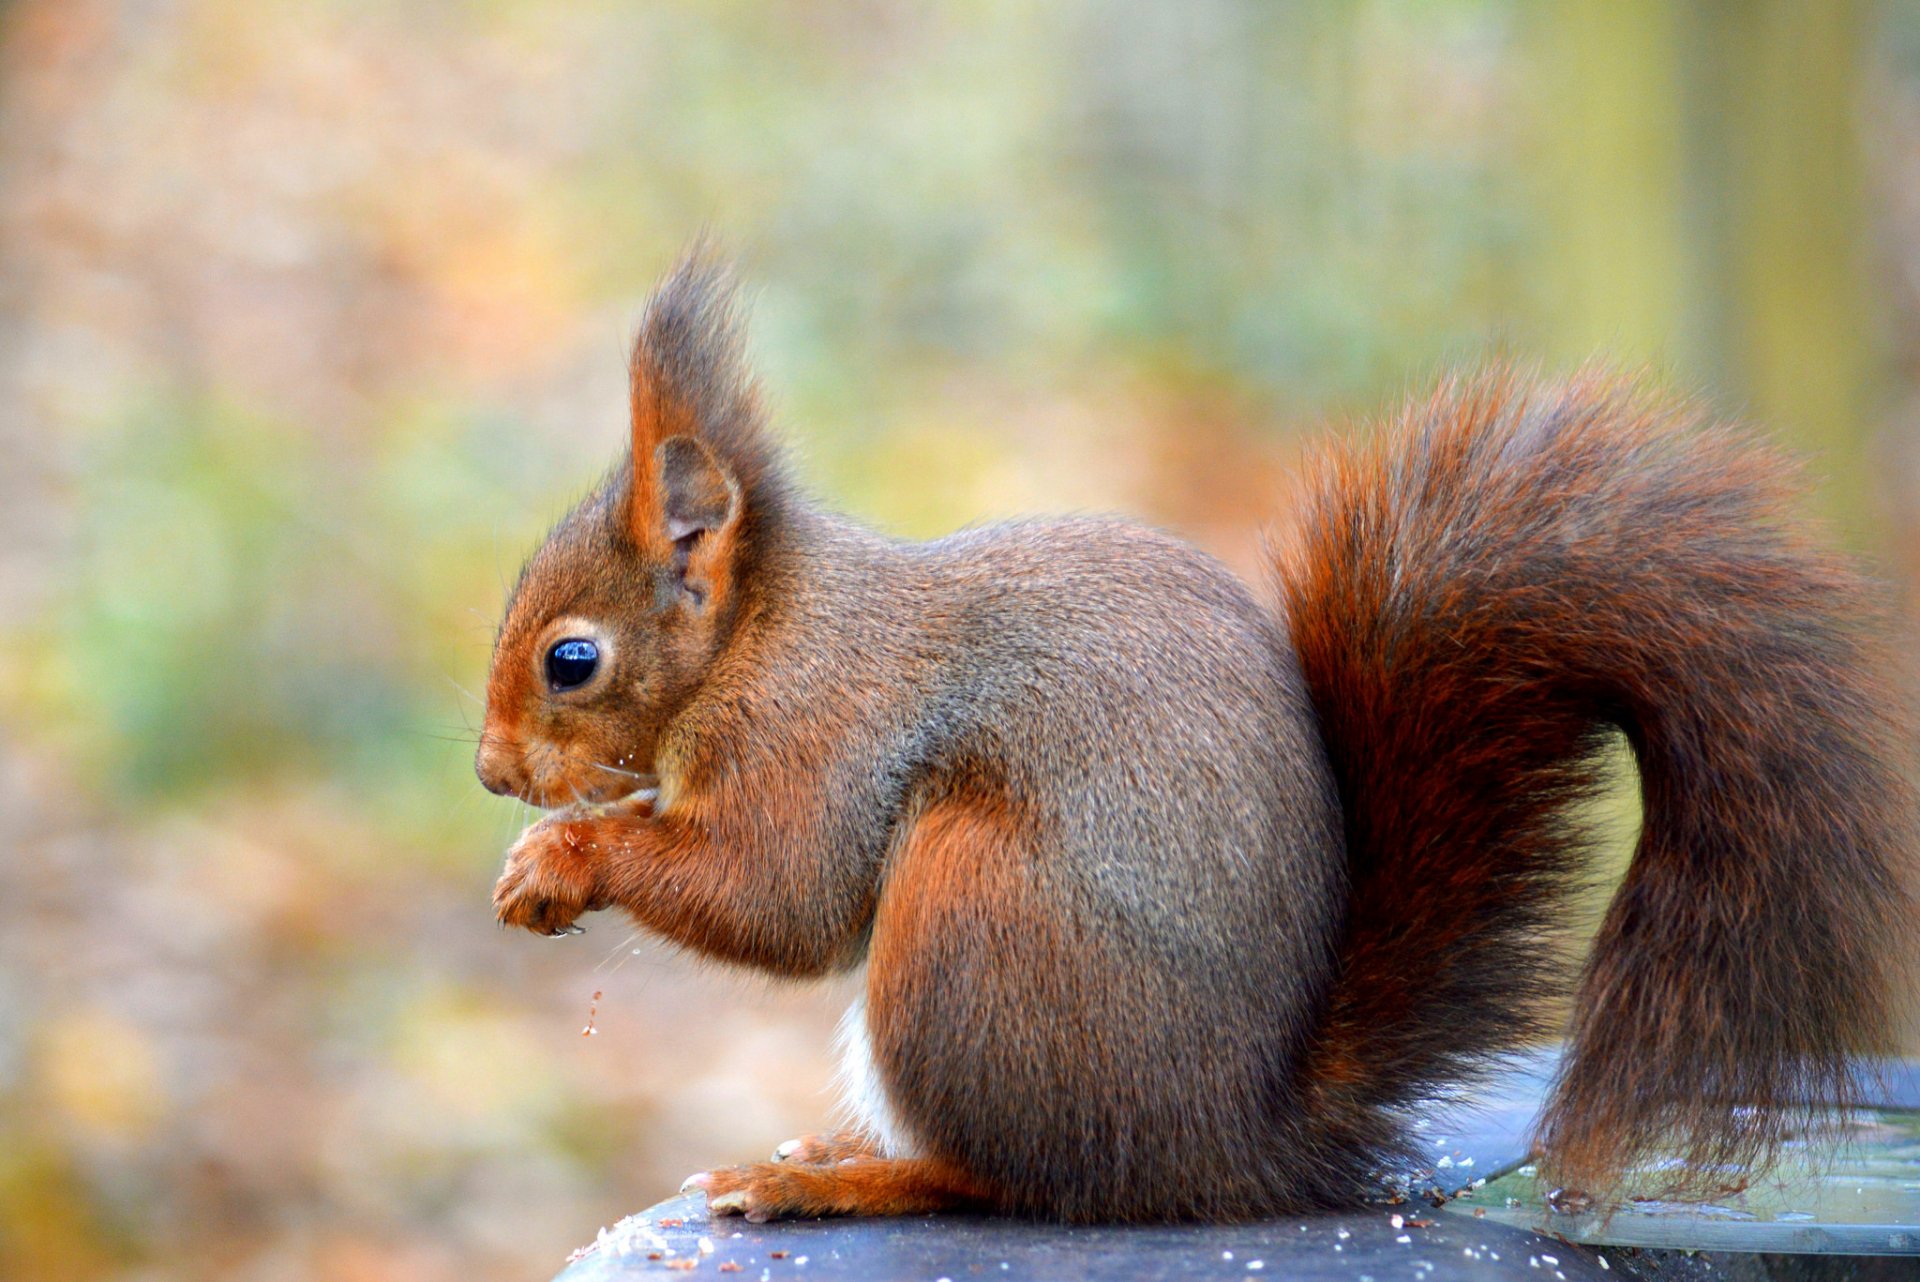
1169, 902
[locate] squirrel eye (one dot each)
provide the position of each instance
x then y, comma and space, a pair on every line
570, 663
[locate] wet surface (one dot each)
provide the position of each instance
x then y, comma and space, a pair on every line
1861, 1197
1863, 1200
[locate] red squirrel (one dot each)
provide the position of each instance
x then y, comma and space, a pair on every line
1171, 903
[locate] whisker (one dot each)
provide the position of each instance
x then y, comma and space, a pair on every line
463, 690
616, 770
623, 949
626, 952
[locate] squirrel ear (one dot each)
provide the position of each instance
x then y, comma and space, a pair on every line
696, 436
699, 506
696, 494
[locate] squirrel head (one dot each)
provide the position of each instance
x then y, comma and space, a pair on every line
618, 617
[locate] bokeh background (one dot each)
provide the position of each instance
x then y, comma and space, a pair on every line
312, 317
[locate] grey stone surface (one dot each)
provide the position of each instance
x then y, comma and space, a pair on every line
1426, 1247
1484, 1234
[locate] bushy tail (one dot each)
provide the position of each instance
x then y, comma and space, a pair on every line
1477, 596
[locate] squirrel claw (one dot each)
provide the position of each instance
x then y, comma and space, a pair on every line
734, 1203
740, 1202
698, 1180
571, 928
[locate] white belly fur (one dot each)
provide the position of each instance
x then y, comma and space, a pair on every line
863, 1096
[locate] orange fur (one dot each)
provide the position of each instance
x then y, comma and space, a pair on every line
855, 1186
825, 1150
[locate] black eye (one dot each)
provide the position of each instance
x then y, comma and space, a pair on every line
570, 663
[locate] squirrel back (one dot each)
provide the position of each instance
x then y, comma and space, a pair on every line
1478, 595
1171, 903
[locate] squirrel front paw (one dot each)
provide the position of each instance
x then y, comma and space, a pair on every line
551, 877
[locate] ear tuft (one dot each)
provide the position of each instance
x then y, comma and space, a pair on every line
697, 496
689, 382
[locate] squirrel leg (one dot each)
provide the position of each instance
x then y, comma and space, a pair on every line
825, 1150
855, 1186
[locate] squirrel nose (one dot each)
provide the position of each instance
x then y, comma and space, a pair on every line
498, 771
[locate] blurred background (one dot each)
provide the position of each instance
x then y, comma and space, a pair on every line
312, 316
